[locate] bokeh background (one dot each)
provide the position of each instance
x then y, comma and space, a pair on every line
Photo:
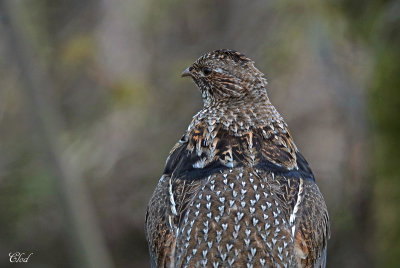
91, 101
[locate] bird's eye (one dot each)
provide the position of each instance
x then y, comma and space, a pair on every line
206, 71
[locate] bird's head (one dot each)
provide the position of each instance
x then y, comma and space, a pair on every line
226, 75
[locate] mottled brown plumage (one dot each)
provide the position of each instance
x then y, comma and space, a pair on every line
235, 191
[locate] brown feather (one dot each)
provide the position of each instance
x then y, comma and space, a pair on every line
235, 189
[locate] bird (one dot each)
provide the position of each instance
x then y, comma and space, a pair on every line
236, 191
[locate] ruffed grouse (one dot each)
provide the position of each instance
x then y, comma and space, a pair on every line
236, 192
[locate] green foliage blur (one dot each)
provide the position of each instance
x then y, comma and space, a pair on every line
114, 68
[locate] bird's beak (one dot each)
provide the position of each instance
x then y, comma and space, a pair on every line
187, 72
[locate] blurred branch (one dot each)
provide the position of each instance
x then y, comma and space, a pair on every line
79, 214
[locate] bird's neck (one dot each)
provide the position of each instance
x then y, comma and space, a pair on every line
240, 115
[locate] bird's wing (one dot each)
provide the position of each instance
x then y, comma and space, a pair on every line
167, 206
311, 226
157, 229
308, 214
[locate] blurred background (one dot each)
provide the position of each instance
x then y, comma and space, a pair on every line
91, 102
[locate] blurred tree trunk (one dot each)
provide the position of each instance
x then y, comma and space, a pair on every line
80, 219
